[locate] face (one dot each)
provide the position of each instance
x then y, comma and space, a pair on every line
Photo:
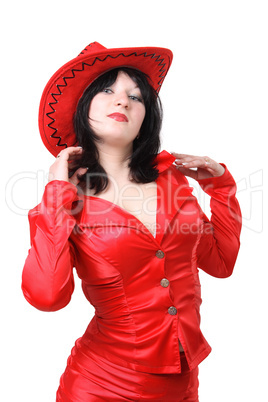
116, 114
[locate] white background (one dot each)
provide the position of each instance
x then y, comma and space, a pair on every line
215, 103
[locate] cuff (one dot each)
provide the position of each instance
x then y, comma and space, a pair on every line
59, 194
225, 181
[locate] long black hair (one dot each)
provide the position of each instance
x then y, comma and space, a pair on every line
145, 147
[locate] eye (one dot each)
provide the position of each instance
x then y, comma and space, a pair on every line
136, 98
107, 90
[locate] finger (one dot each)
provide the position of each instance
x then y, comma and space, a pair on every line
203, 162
79, 172
69, 153
182, 156
196, 161
187, 159
191, 162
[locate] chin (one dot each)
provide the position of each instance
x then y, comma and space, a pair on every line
116, 138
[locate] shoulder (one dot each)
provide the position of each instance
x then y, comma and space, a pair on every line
175, 175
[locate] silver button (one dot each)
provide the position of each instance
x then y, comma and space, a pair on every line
160, 254
172, 310
164, 282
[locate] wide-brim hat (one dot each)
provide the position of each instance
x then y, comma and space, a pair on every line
64, 89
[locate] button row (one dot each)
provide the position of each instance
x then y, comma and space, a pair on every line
165, 283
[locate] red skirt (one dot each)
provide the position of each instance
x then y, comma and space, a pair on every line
90, 378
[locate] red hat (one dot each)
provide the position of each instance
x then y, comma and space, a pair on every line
64, 89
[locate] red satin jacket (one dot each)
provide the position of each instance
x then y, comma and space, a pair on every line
145, 289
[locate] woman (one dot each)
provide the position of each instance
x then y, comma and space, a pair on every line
123, 215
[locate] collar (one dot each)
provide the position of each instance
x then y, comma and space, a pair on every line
164, 159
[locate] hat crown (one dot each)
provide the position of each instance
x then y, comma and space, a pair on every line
92, 48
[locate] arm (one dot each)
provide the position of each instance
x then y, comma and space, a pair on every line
47, 279
219, 242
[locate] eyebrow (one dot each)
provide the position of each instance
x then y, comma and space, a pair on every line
137, 87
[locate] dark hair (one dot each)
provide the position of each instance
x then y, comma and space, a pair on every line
145, 148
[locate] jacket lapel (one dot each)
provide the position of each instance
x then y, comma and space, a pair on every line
172, 191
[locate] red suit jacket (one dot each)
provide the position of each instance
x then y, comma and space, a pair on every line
145, 289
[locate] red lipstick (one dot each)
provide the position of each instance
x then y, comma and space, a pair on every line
119, 117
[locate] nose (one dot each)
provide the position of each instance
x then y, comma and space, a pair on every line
122, 99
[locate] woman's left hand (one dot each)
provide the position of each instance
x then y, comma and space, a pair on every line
205, 166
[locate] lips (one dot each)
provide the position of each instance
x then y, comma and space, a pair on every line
119, 117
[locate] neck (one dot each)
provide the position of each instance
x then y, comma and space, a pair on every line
115, 161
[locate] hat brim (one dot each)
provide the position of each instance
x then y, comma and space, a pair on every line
64, 89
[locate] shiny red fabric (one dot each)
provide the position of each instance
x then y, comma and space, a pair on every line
89, 377
138, 322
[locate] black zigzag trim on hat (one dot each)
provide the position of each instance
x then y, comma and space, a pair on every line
76, 70
84, 50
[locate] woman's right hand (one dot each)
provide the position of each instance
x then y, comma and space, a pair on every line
59, 170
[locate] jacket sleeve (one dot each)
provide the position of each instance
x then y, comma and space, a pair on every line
47, 278
219, 242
